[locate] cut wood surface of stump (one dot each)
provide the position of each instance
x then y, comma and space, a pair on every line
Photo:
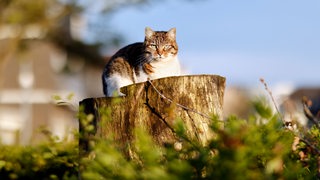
156, 105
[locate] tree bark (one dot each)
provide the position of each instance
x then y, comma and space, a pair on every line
156, 105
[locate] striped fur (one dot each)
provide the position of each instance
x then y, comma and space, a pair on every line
154, 58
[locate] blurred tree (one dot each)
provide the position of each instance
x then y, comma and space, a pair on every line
49, 20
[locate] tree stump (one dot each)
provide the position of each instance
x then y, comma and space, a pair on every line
156, 105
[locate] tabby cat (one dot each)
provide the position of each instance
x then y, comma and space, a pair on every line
154, 58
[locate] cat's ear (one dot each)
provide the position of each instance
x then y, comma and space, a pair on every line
172, 33
149, 32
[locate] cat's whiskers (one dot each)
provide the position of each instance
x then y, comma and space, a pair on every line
141, 59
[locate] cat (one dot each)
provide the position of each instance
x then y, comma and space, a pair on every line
154, 58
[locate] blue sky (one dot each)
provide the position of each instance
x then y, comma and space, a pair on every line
241, 40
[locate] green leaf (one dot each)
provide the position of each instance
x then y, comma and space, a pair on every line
2, 164
56, 98
70, 96
263, 109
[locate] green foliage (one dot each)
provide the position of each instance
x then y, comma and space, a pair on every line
51, 160
257, 148
149, 161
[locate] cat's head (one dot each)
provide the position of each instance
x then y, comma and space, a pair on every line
160, 45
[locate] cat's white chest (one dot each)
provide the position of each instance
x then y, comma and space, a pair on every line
170, 67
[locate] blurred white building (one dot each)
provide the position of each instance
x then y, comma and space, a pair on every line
28, 81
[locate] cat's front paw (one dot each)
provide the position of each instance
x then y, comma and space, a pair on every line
120, 94
116, 94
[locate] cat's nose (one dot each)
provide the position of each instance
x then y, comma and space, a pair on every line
160, 55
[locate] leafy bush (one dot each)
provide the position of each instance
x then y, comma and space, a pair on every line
243, 149
51, 160
256, 148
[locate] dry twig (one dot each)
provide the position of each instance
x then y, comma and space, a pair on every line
299, 135
272, 99
180, 105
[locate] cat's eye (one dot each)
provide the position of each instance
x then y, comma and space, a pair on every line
153, 46
167, 47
